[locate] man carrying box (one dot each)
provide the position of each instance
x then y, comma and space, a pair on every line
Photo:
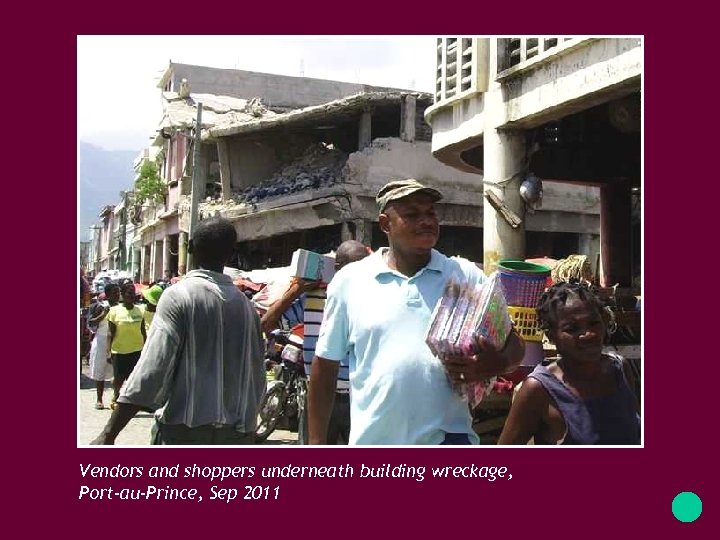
338, 430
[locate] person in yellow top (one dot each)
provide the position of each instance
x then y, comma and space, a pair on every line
127, 337
152, 297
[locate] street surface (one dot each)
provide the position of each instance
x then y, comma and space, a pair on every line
137, 433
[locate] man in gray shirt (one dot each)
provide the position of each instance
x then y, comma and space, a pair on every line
202, 368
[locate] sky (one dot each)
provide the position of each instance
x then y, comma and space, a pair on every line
119, 103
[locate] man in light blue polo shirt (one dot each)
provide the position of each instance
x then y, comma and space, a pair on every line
377, 312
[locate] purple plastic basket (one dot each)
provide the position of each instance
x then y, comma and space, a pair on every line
522, 282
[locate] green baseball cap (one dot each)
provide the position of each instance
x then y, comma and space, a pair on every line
152, 295
397, 189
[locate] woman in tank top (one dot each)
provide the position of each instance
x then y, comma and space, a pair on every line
586, 396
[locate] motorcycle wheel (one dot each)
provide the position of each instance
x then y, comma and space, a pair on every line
302, 412
270, 412
294, 402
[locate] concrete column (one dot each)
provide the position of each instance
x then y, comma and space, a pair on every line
98, 250
407, 118
615, 237
363, 231
166, 255
153, 259
365, 130
158, 260
147, 258
224, 159
481, 57
142, 263
503, 154
504, 161
589, 245
357, 229
345, 232
136, 264
182, 253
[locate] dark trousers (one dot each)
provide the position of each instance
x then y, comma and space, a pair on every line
200, 435
338, 426
456, 438
123, 364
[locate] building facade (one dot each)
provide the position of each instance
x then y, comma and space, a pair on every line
103, 243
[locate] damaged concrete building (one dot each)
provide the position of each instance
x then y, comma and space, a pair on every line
291, 177
308, 178
229, 98
161, 241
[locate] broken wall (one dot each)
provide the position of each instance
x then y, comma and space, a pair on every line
564, 197
423, 130
277, 91
283, 220
254, 160
391, 158
250, 162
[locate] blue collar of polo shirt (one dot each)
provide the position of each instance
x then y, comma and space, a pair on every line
379, 266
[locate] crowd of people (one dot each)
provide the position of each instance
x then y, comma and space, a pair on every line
117, 320
194, 351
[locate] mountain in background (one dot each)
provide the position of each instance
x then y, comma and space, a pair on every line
103, 175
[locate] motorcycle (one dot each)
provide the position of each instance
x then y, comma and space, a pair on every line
285, 397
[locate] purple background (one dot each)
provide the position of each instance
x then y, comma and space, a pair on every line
588, 493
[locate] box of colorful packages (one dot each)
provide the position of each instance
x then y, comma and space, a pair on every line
464, 312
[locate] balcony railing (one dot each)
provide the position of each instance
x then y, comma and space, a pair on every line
455, 67
519, 54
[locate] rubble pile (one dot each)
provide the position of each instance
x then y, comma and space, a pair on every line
319, 166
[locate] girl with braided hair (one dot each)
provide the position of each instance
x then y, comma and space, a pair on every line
585, 397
